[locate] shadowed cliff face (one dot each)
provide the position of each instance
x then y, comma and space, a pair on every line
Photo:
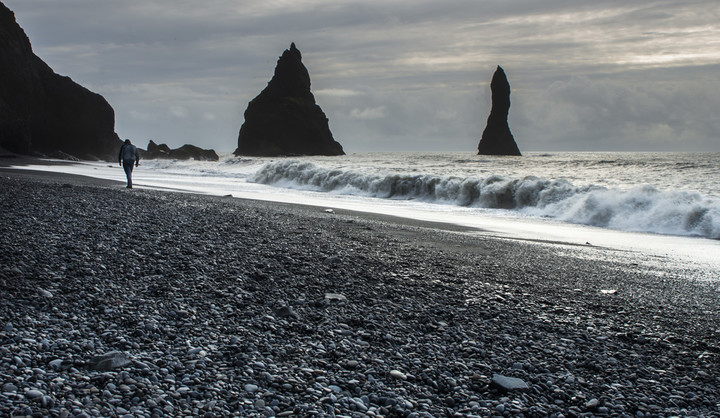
44, 113
497, 138
284, 118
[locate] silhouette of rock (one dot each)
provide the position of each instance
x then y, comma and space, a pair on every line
157, 151
44, 113
186, 152
497, 138
284, 118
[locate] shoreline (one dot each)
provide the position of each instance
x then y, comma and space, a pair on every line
40, 175
691, 251
228, 306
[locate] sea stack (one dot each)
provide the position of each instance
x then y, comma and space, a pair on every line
497, 138
43, 113
186, 152
284, 119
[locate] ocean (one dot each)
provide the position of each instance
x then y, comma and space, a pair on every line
660, 204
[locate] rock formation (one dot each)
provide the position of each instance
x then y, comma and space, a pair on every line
186, 152
284, 118
44, 113
497, 138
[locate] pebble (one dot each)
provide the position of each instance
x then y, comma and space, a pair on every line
397, 374
56, 364
44, 293
335, 296
109, 361
592, 404
33, 394
509, 383
186, 312
9, 388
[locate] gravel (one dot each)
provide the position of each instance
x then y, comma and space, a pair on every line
144, 303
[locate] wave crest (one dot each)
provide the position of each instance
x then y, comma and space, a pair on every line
642, 209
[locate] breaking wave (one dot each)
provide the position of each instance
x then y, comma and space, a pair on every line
641, 209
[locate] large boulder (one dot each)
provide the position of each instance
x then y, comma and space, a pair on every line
284, 118
186, 152
497, 138
43, 113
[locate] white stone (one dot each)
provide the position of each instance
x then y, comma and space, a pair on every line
397, 374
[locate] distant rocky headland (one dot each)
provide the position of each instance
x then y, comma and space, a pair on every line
284, 118
43, 113
186, 152
497, 138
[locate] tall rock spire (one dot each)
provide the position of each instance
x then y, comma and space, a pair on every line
497, 138
284, 118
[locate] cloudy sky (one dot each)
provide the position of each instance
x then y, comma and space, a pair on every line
399, 75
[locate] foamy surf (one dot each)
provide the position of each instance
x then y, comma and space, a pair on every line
591, 206
639, 209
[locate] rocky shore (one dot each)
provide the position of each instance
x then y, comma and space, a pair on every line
129, 303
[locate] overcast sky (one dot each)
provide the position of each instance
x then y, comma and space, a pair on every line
399, 75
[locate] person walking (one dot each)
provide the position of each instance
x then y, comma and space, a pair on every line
129, 155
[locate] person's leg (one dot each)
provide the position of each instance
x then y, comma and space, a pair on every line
128, 173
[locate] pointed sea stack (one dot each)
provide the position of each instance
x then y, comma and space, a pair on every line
497, 138
284, 118
43, 113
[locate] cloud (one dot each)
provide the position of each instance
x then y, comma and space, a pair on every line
338, 93
667, 111
179, 111
135, 114
368, 113
395, 73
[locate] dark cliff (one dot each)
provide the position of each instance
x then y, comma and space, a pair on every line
284, 118
497, 138
43, 113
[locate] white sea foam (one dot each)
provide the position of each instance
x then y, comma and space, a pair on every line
571, 198
641, 208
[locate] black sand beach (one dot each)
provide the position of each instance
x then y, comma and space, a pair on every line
214, 306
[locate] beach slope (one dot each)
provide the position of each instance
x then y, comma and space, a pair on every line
211, 306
